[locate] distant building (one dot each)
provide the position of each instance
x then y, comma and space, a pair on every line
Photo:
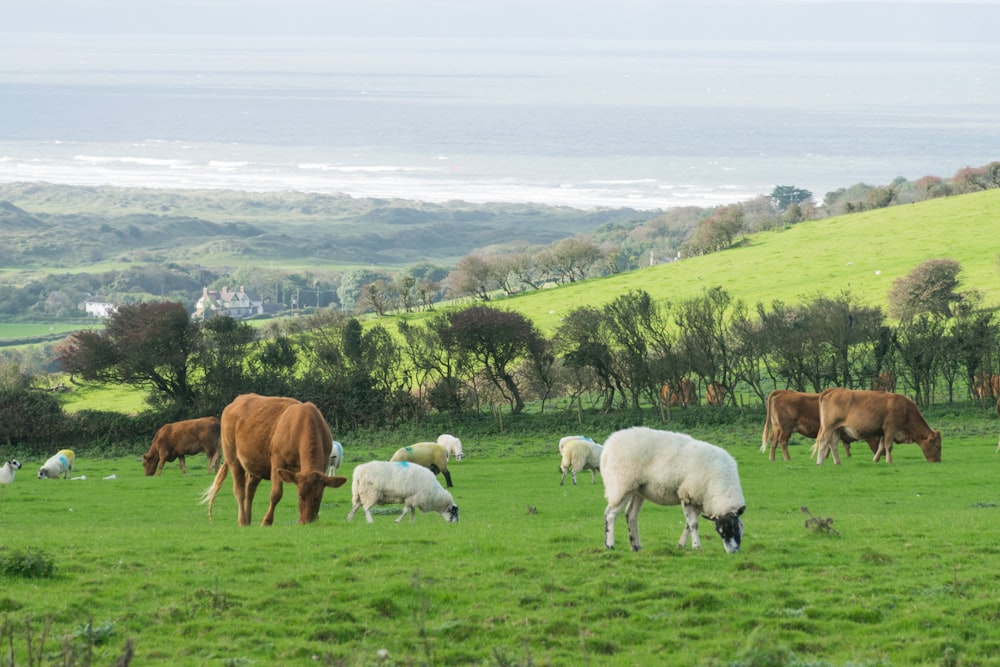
237, 305
98, 307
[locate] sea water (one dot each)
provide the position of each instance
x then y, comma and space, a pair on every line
582, 123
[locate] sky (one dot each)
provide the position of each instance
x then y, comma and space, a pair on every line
827, 20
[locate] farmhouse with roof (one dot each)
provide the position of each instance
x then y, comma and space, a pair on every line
237, 305
98, 307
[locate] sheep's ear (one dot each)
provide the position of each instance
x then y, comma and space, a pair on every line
741, 510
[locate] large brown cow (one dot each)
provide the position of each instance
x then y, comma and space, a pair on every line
715, 393
859, 414
886, 381
789, 412
985, 385
180, 439
683, 396
280, 439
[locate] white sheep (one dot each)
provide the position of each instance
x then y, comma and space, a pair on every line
336, 458
386, 483
61, 463
571, 438
640, 464
580, 454
431, 455
8, 469
452, 445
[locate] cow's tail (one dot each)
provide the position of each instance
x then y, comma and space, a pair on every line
766, 435
212, 491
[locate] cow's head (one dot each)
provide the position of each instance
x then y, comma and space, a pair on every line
149, 463
931, 447
730, 529
311, 485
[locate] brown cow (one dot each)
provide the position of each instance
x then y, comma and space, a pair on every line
280, 439
180, 439
998, 413
985, 385
886, 381
683, 397
715, 393
789, 412
859, 414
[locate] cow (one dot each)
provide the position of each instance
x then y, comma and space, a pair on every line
985, 385
184, 438
789, 412
279, 439
684, 395
859, 414
886, 381
998, 413
715, 393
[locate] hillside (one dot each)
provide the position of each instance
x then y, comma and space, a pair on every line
862, 253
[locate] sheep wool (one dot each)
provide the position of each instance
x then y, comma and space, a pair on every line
452, 445
336, 458
60, 463
7, 471
640, 464
430, 455
580, 454
385, 483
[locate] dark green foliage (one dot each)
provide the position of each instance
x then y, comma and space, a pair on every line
26, 563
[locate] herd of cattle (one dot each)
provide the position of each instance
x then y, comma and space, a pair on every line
287, 441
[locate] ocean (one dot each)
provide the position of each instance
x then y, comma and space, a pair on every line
580, 123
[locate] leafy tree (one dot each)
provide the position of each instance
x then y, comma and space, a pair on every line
148, 345
716, 232
784, 196
920, 343
704, 339
585, 343
571, 259
473, 276
928, 288
222, 358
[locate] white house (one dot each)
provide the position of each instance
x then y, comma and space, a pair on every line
97, 307
237, 305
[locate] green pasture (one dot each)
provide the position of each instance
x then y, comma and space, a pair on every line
891, 566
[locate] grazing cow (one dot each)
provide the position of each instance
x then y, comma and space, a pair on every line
998, 413
886, 381
985, 385
684, 395
791, 412
859, 414
180, 439
715, 393
275, 438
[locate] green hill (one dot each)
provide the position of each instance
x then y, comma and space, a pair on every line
861, 253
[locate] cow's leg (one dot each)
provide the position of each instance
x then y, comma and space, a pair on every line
184, 469
888, 438
783, 441
277, 490
632, 521
240, 485
691, 514
610, 514
159, 468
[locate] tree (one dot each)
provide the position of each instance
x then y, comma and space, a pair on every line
716, 232
150, 345
222, 357
784, 196
928, 288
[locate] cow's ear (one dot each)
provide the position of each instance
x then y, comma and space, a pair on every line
334, 482
286, 476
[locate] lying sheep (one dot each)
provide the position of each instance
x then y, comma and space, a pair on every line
640, 464
428, 454
382, 483
452, 445
59, 464
336, 458
580, 454
8, 469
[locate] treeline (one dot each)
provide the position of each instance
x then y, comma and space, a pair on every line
624, 242
485, 360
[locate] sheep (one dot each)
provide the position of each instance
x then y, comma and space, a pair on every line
60, 463
640, 464
7, 471
336, 458
452, 445
571, 438
428, 454
580, 454
384, 483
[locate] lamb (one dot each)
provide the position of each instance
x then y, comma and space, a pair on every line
428, 454
452, 445
336, 458
7, 471
580, 454
385, 483
60, 463
640, 464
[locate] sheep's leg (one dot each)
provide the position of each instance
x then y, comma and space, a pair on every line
447, 477
563, 480
610, 514
593, 476
632, 520
368, 515
573, 472
354, 509
277, 490
690, 527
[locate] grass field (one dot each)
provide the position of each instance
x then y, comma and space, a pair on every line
901, 575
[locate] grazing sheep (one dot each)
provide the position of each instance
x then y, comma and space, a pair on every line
60, 463
640, 464
571, 438
336, 458
452, 445
580, 454
428, 454
382, 483
8, 469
